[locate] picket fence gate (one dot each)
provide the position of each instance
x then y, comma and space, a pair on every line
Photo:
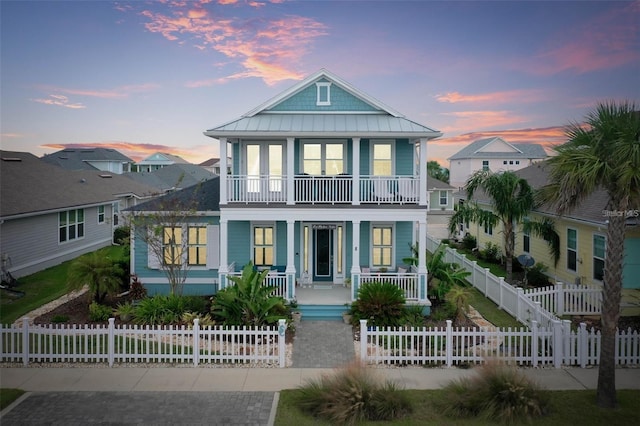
533, 346
143, 344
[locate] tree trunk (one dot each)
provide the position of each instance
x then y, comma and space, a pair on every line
611, 295
509, 248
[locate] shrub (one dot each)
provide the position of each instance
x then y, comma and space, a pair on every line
536, 276
136, 289
125, 311
99, 312
204, 320
413, 316
121, 235
498, 394
380, 303
491, 253
161, 309
458, 297
469, 241
351, 395
59, 319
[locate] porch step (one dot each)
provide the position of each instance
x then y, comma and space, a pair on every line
322, 312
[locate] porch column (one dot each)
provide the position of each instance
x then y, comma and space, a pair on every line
422, 260
290, 171
223, 268
355, 174
422, 174
223, 171
355, 259
291, 259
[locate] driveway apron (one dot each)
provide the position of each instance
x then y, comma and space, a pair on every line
323, 344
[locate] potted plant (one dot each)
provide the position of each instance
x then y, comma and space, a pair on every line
296, 315
347, 315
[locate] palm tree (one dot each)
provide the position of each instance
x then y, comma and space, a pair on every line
512, 200
100, 273
444, 275
436, 171
603, 155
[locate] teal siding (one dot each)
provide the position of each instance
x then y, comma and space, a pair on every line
404, 237
365, 243
281, 243
305, 100
631, 269
235, 148
364, 156
348, 247
404, 157
239, 243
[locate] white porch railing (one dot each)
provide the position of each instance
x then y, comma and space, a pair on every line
273, 279
132, 344
310, 189
408, 282
534, 346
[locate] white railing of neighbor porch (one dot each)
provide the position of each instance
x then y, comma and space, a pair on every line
533, 346
132, 344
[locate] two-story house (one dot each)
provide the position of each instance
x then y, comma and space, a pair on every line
328, 189
105, 159
493, 154
157, 161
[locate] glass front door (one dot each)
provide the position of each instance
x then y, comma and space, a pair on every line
323, 250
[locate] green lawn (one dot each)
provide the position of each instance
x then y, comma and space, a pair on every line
7, 396
568, 408
41, 288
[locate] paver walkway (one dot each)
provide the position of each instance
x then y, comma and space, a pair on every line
323, 344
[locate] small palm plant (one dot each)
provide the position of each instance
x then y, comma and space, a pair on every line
444, 275
100, 273
381, 303
248, 302
459, 297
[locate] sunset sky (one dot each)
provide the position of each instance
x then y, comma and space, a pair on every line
149, 76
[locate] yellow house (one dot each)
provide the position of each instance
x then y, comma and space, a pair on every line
582, 235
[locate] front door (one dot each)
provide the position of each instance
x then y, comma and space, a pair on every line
323, 255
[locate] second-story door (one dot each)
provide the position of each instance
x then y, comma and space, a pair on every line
264, 167
323, 157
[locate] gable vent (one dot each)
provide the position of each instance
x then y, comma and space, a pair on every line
11, 159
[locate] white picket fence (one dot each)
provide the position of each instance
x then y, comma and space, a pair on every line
533, 346
143, 344
543, 305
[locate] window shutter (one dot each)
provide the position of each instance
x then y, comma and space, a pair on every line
153, 262
213, 246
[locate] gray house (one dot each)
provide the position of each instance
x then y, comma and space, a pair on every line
49, 215
173, 177
105, 159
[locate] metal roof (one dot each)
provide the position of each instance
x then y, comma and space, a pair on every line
320, 125
521, 150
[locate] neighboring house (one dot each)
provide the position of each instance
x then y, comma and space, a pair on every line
328, 188
441, 204
582, 234
493, 154
105, 159
214, 165
173, 177
157, 161
49, 215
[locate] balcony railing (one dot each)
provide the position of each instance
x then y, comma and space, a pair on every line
309, 189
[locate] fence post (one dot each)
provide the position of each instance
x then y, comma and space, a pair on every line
558, 348
559, 298
196, 342
449, 344
473, 272
111, 343
486, 280
537, 312
282, 331
501, 286
364, 338
566, 335
520, 292
25, 341
534, 343
583, 343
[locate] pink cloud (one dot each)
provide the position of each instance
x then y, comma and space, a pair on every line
59, 100
531, 95
116, 93
265, 48
467, 120
606, 42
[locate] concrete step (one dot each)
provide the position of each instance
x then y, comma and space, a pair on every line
322, 312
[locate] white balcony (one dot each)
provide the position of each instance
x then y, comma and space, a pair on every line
309, 189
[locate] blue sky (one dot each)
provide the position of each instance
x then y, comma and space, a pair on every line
151, 76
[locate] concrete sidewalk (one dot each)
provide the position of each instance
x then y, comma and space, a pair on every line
207, 379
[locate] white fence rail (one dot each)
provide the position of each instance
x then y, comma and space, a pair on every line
543, 305
131, 344
408, 282
533, 346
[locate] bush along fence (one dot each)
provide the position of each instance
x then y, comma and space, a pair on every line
543, 305
143, 344
534, 346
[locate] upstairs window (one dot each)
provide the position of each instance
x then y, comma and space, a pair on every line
323, 94
382, 159
485, 165
100, 214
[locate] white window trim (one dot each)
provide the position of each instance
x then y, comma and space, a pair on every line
393, 243
374, 142
253, 246
84, 230
319, 89
103, 214
446, 197
575, 250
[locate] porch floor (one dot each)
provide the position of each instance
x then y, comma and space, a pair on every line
323, 294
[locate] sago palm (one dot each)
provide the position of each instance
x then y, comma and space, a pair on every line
100, 273
602, 154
